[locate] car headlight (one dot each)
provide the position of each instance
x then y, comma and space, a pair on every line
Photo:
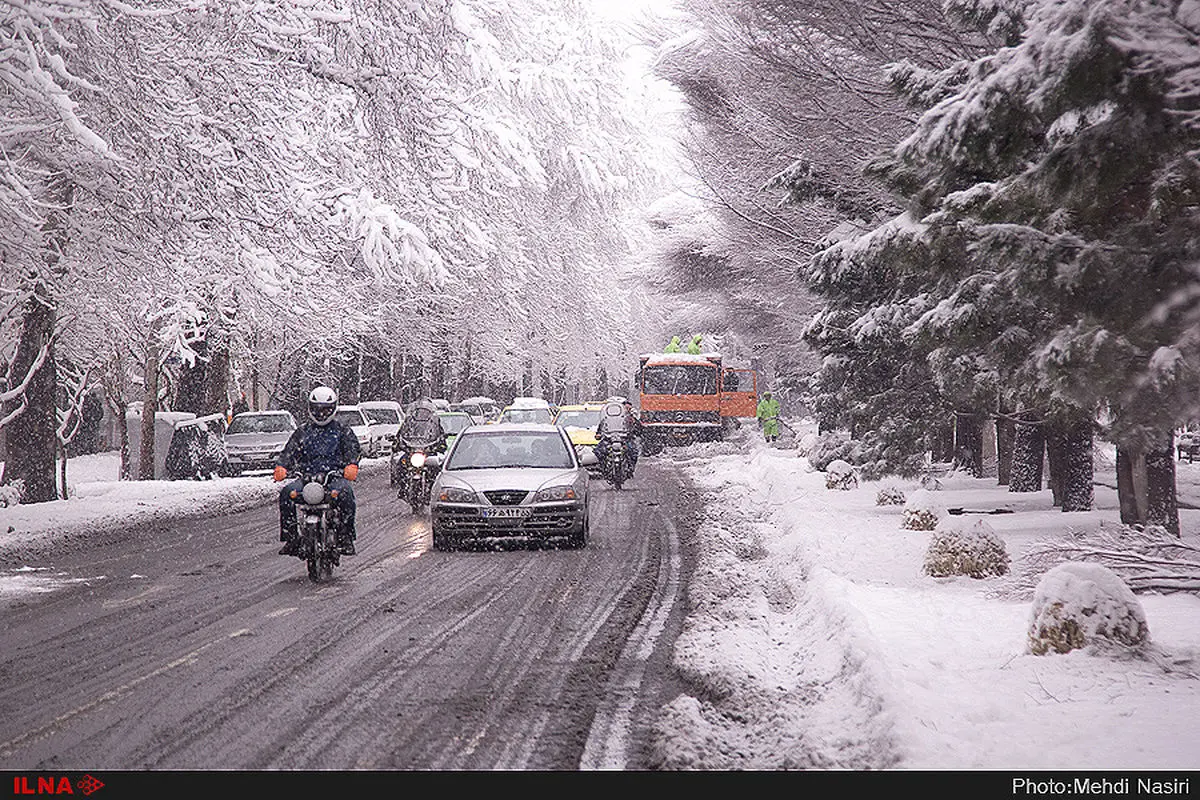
555, 493
454, 494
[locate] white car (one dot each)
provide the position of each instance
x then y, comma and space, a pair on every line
355, 419
385, 418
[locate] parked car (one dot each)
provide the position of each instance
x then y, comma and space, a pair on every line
385, 418
528, 409
354, 418
1187, 445
482, 409
254, 439
518, 483
197, 450
580, 421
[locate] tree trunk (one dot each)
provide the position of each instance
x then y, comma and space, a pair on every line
31, 440
1162, 506
968, 443
149, 411
1074, 464
1029, 448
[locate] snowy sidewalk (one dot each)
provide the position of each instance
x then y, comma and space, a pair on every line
815, 639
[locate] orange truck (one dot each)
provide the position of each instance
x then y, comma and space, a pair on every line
688, 398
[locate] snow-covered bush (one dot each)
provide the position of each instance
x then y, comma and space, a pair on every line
961, 549
890, 496
828, 447
11, 494
922, 511
1083, 605
839, 474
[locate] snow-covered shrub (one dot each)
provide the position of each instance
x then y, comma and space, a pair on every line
11, 494
921, 512
890, 496
958, 549
840, 475
831, 446
1078, 604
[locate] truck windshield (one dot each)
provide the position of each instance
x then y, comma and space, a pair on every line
679, 379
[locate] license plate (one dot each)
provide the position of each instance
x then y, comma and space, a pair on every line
506, 512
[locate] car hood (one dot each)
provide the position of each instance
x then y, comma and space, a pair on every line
585, 436
257, 440
485, 480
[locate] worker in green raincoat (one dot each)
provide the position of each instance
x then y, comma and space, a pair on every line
674, 345
694, 345
768, 416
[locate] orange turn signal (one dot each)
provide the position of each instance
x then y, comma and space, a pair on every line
292, 494
333, 493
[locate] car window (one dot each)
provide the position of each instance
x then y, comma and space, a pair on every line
511, 449
586, 418
454, 423
526, 415
350, 418
260, 423
383, 416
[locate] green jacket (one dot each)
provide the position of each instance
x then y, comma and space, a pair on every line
694, 345
673, 346
768, 408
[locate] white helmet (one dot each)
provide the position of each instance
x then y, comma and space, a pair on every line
322, 401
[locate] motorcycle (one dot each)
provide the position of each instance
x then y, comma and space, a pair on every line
318, 523
615, 465
418, 478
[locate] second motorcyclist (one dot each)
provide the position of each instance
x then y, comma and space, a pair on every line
321, 445
422, 428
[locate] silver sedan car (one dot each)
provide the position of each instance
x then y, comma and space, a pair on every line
510, 482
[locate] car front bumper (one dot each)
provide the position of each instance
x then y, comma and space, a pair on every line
466, 521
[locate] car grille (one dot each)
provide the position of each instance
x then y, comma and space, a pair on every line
505, 497
549, 521
676, 416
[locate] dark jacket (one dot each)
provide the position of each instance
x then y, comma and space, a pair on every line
320, 448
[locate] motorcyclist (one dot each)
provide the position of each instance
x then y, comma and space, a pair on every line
321, 445
422, 428
619, 418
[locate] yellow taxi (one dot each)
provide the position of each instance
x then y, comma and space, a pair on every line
580, 423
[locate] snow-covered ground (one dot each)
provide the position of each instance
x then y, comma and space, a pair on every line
817, 640
813, 637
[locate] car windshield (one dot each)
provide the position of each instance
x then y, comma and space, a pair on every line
510, 449
383, 416
680, 379
350, 418
260, 423
454, 423
584, 418
526, 415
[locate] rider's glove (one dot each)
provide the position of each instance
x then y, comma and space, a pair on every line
350, 472
280, 473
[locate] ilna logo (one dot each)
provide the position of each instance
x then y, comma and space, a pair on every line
50, 784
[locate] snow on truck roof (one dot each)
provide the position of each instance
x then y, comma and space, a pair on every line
680, 358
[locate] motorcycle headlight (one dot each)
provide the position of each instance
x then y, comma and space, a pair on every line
417, 459
313, 493
454, 494
555, 493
